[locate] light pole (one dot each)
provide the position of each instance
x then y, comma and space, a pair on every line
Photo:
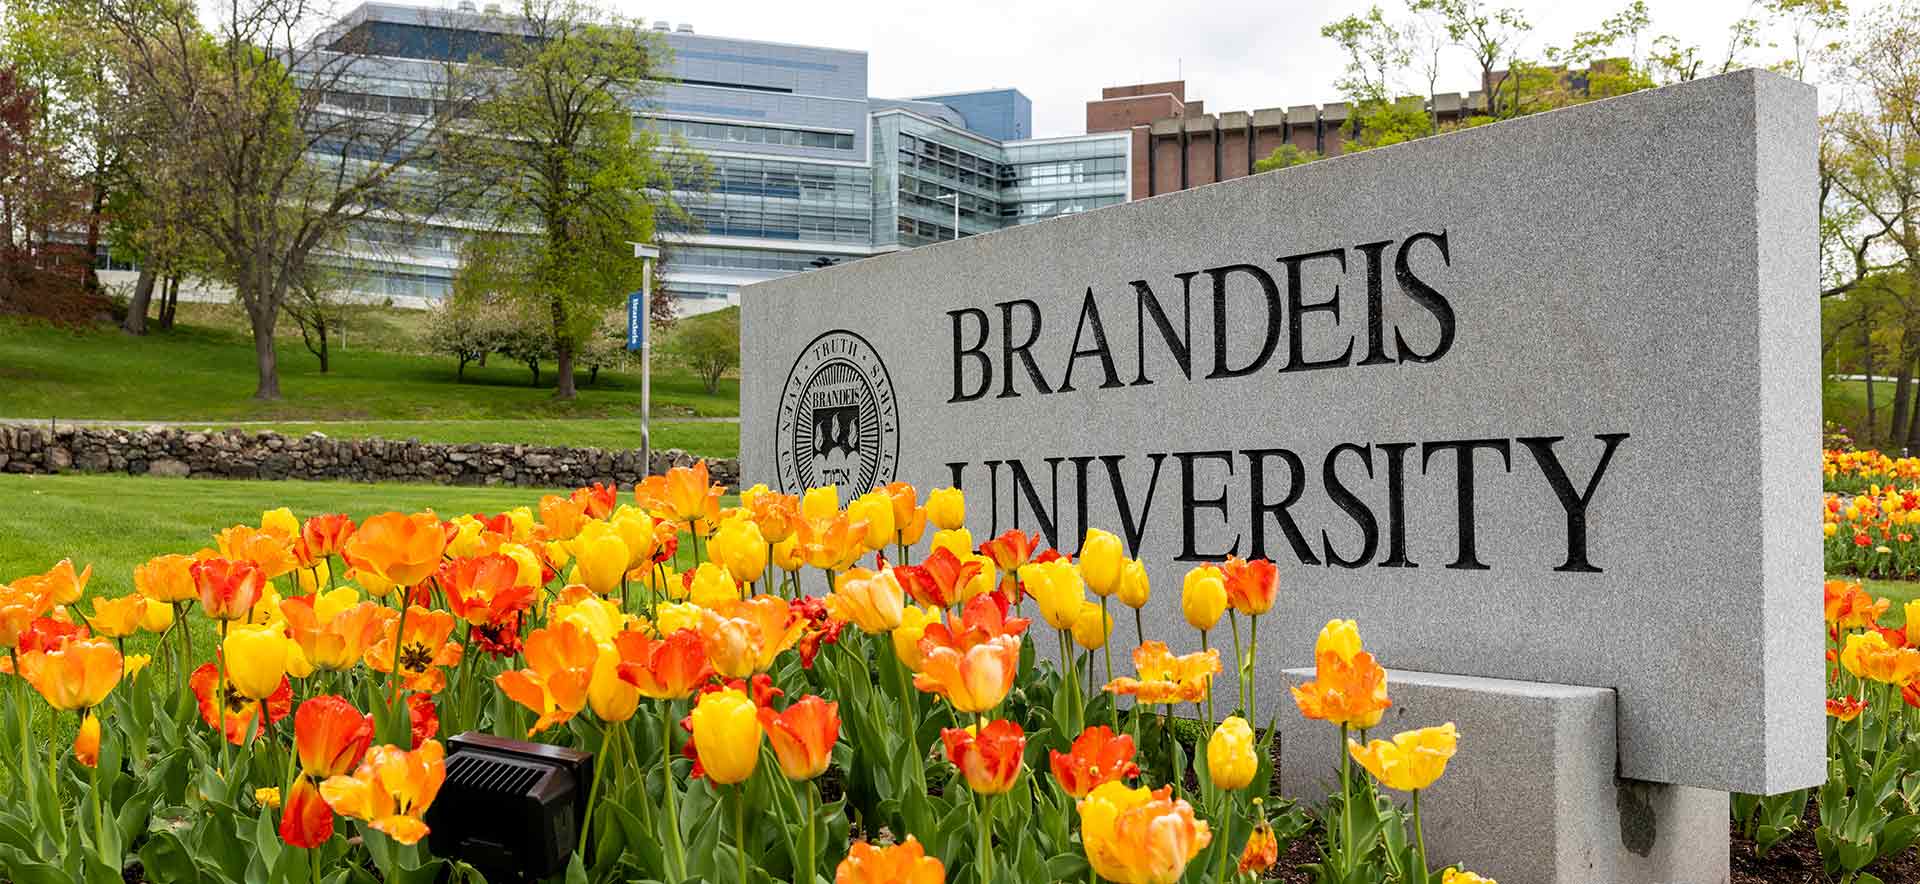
638, 324
955, 196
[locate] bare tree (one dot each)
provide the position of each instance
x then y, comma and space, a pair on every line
261, 129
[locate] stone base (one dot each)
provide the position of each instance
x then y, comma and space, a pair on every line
1533, 797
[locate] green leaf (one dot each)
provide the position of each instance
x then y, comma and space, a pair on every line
167, 860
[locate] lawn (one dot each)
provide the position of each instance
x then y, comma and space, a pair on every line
709, 439
197, 372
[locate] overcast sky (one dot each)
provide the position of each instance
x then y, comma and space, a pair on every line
1236, 54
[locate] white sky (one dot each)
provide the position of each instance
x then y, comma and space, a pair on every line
1235, 54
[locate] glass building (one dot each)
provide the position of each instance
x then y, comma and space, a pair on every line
807, 169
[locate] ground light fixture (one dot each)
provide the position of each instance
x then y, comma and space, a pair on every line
511, 809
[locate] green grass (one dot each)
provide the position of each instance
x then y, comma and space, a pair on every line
207, 373
702, 438
1899, 591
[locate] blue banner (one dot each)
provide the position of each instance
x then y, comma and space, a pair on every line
636, 320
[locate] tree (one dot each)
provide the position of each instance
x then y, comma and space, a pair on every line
466, 329
1376, 52
36, 195
249, 132
709, 346
606, 347
1490, 35
1283, 156
575, 169
315, 305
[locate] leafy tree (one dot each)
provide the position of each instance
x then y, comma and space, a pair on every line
1492, 36
606, 347
36, 195
244, 129
575, 169
1283, 156
465, 328
709, 346
316, 305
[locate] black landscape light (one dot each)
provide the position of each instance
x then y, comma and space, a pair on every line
510, 809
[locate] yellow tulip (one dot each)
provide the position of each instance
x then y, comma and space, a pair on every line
600, 557
1134, 590
522, 520
636, 528
984, 581
820, 503
713, 586
600, 617
328, 605
1092, 626
135, 662
1056, 587
1101, 555
157, 616
1203, 597
1136, 836
280, 520
873, 602
748, 496
1340, 638
256, 659
117, 618
787, 555
946, 508
611, 697
958, 541
466, 540
906, 637
530, 571
1461, 876
739, 547
1413, 760
1913, 622
876, 509
671, 617
1231, 761
726, 734
314, 579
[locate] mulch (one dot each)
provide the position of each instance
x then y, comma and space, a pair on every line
1797, 860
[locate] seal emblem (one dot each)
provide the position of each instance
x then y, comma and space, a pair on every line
839, 422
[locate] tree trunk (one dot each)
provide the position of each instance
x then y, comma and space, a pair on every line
265, 360
136, 323
535, 365
562, 353
1866, 347
170, 302
1901, 382
1911, 440
324, 353
460, 374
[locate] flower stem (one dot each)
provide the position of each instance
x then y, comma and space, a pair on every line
1419, 836
679, 852
1253, 658
986, 839
1346, 806
593, 792
220, 696
813, 858
740, 828
1106, 623
1239, 675
1211, 721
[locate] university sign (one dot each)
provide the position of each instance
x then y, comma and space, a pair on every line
1537, 401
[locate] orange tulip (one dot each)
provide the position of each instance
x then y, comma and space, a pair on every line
86, 743
803, 736
776, 515
1263, 849
904, 863
596, 500
833, 543
1133, 836
391, 790
306, 821
77, 675
974, 680
238, 714
18, 609
1251, 585
743, 637
1846, 708
117, 618
424, 650
873, 602
1164, 678
271, 550
1352, 693
941, 581
1009, 551
331, 736
167, 578
323, 536
482, 589
560, 517
49, 634
1097, 757
340, 642
989, 758
560, 661
1868, 655
398, 548
984, 618
228, 589
663, 669
685, 494
59, 584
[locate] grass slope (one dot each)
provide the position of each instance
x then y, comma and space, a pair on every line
711, 439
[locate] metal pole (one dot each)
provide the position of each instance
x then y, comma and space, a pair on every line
646, 368
956, 214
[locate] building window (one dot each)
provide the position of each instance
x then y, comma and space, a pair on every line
739, 134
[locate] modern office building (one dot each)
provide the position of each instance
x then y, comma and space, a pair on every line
808, 169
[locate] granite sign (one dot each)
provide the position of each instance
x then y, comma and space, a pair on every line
1535, 401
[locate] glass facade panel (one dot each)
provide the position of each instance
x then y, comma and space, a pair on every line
784, 199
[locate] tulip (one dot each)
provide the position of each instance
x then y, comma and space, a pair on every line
906, 637
946, 508
1340, 638
272, 551
1231, 762
331, 736
803, 736
323, 536
596, 500
1101, 557
224, 708
833, 543
560, 666
1009, 551
1263, 849
167, 579
401, 549
117, 618
1091, 628
988, 757
1412, 761
59, 584
1912, 610
685, 494
943, 579
672, 617
1136, 836
280, 521
1251, 585
1203, 597
484, 588
974, 680
228, 589
1096, 757
958, 541
1459, 876
983, 618
904, 863
601, 618
726, 735
744, 637
340, 642
76, 675
663, 669
599, 557
134, 663
775, 515
873, 602
739, 547
1133, 589
788, 556
820, 503
1869, 656
1056, 587
419, 651
391, 790
256, 659
874, 508
1846, 709
313, 578
1350, 694
268, 797
86, 743
307, 821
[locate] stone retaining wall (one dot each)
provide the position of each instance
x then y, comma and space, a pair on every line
238, 454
